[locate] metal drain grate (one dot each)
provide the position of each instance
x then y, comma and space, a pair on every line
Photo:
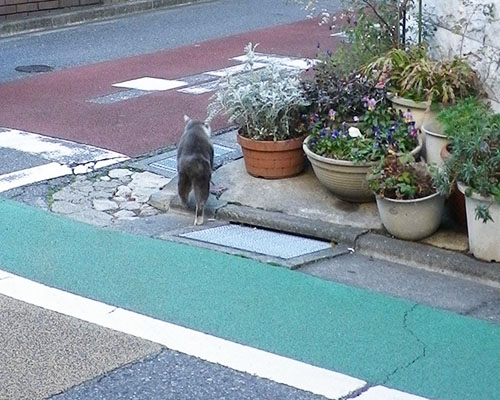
258, 240
170, 164
166, 164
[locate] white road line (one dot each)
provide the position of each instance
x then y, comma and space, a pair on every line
32, 175
330, 384
235, 69
63, 157
290, 62
150, 84
53, 149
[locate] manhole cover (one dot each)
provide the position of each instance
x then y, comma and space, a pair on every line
258, 240
34, 68
167, 164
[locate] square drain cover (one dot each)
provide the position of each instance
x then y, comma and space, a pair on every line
170, 163
258, 240
166, 164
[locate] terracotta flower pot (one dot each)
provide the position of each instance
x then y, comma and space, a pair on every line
456, 200
272, 160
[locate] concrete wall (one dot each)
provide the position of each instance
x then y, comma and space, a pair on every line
464, 20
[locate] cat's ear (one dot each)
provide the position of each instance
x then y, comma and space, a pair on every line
186, 119
208, 129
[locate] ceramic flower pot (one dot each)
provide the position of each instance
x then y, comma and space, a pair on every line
345, 179
272, 160
484, 237
411, 219
435, 140
419, 110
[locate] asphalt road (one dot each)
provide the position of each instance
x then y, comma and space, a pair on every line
144, 33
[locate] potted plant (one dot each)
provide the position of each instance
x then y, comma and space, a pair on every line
417, 82
459, 119
342, 153
474, 164
266, 105
408, 202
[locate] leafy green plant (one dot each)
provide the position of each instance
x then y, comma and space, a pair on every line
382, 131
474, 159
335, 99
402, 178
364, 40
391, 16
412, 74
265, 103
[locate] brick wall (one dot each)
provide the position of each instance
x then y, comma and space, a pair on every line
12, 9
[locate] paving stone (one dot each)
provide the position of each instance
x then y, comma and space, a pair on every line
142, 194
131, 205
119, 173
84, 186
147, 211
125, 214
119, 199
65, 207
71, 197
161, 200
101, 195
105, 186
104, 205
148, 180
93, 217
105, 178
123, 192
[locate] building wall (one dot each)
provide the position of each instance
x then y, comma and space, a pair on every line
12, 9
462, 27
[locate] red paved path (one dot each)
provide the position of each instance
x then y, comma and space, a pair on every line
54, 104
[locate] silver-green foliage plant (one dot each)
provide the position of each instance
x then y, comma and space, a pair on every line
265, 103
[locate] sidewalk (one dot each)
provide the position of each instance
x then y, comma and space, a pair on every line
301, 205
122, 197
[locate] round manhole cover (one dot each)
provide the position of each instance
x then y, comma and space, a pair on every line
34, 68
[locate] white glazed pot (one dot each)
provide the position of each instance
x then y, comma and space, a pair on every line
484, 238
435, 140
411, 219
419, 110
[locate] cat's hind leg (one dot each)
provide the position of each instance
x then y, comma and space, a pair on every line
183, 188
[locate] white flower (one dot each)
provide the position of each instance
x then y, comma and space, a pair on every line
354, 132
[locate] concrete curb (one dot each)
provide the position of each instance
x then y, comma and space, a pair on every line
91, 13
289, 223
420, 255
413, 254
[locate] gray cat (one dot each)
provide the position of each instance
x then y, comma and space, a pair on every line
195, 158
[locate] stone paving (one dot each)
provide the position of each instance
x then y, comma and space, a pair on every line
120, 194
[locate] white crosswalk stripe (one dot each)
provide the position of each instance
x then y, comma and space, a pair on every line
63, 158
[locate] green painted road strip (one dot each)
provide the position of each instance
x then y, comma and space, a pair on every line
376, 338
